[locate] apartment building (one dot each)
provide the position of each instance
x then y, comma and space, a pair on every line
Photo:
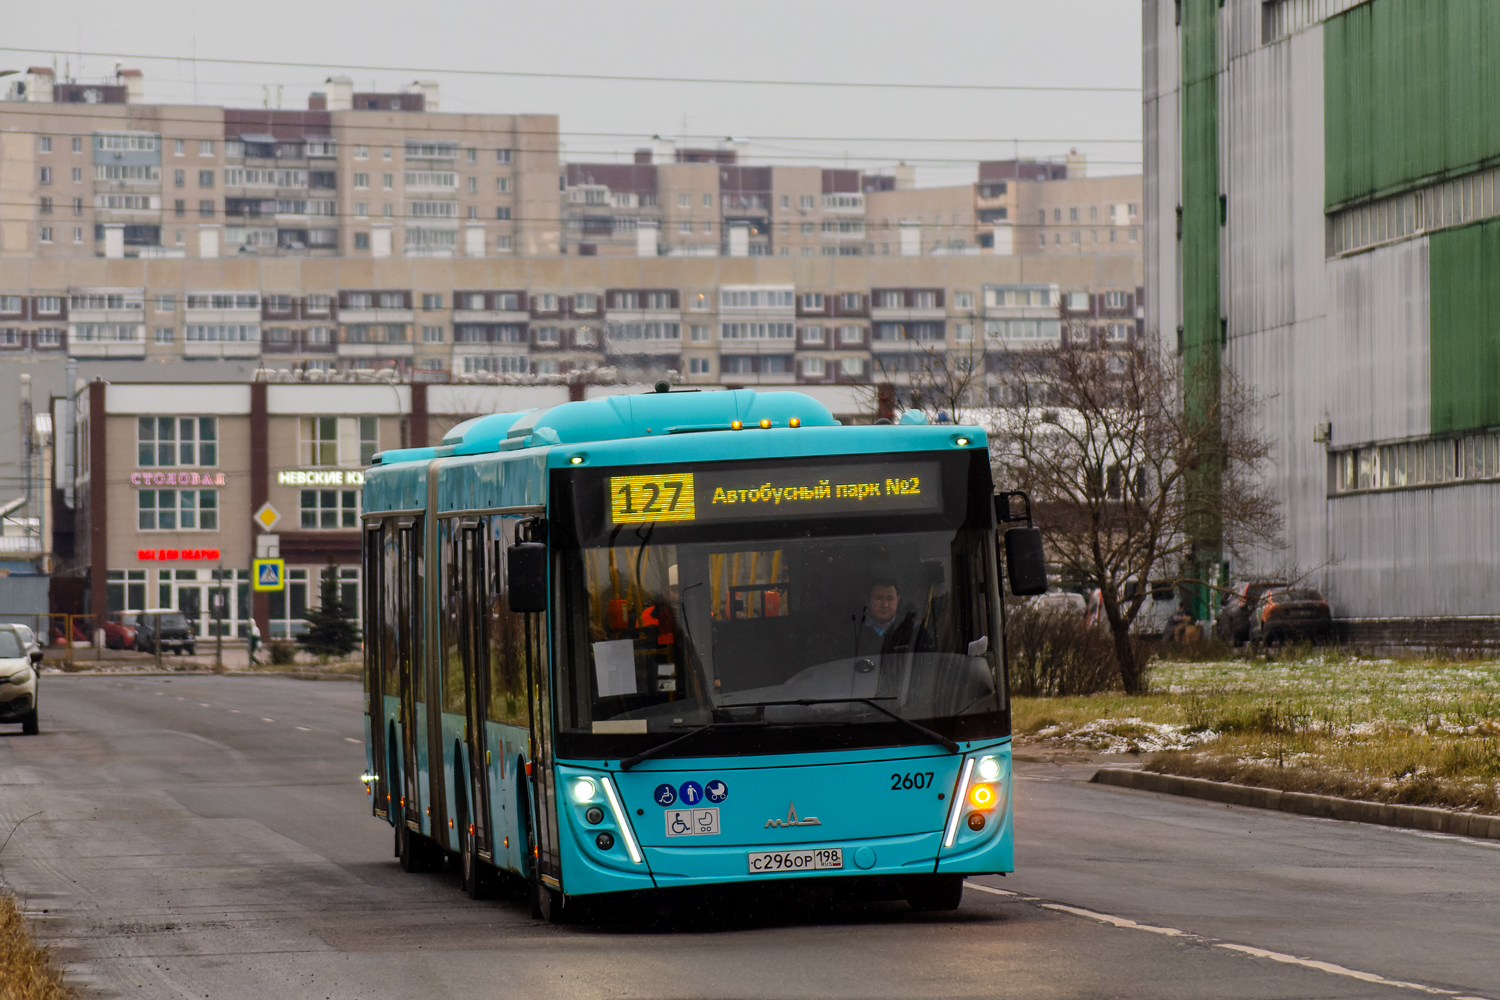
95, 171
1014, 207
685, 202
764, 320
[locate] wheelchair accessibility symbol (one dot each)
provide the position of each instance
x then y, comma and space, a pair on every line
664, 795
692, 822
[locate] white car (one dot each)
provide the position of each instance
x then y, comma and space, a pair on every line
18, 675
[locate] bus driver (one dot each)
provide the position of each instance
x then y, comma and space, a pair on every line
884, 629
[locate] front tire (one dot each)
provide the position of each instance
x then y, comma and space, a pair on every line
30, 724
935, 893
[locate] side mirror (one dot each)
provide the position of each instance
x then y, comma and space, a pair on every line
36, 656
526, 577
1025, 561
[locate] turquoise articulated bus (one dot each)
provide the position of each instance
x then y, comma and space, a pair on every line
692, 638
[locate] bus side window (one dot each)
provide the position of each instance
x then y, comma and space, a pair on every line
507, 636
451, 583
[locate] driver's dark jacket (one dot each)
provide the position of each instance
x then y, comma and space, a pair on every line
901, 636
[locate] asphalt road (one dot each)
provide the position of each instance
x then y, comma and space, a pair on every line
207, 836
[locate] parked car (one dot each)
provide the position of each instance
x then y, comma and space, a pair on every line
119, 630
1233, 624
18, 680
1154, 619
1291, 613
79, 638
176, 634
1060, 602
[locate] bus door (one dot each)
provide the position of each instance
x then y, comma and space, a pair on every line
375, 625
408, 607
473, 598
539, 686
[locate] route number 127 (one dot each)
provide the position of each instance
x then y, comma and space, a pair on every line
664, 497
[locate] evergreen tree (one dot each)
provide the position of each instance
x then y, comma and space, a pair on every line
332, 630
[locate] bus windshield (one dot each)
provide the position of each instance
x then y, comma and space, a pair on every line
785, 633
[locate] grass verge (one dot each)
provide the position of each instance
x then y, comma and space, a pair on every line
27, 970
1421, 732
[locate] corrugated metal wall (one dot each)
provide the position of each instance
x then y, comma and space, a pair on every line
1411, 91
1466, 327
1338, 341
1161, 132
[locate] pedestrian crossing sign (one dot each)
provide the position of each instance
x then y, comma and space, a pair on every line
268, 574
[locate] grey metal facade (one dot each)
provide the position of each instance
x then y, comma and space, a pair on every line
1341, 342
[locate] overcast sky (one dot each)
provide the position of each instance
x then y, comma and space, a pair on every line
1092, 43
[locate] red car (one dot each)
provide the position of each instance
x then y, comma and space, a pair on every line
117, 634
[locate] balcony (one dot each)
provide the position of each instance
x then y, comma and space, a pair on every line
348, 314
376, 349
221, 349
97, 340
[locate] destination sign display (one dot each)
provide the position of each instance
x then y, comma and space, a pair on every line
740, 494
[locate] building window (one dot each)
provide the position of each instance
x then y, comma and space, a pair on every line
812, 335
850, 301
806, 201
812, 301
502, 242
1115, 300
205, 178
700, 366
502, 185
432, 335
361, 180
205, 147
963, 332
546, 335
963, 300
502, 212
851, 334
698, 333
852, 367
544, 302
334, 441
388, 181
431, 300
177, 510
165, 335
584, 336
326, 509
46, 144
1135, 234
361, 241
206, 209
502, 156
10, 304
46, 175
47, 210
814, 368
48, 305
685, 228
177, 441
179, 147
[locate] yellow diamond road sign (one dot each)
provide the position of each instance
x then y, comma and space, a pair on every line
267, 516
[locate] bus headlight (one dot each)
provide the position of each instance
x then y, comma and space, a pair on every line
584, 790
989, 769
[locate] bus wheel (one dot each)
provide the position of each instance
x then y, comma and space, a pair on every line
933, 893
553, 906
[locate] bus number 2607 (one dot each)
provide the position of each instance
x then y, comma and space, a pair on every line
914, 779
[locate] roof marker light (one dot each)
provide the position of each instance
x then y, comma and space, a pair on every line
962, 442
765, 425
736, 425
576, 460
794, 422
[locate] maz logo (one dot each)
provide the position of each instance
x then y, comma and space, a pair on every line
792, 820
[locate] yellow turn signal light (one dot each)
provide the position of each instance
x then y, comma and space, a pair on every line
983, 796
794, 422
765, 425
736, 425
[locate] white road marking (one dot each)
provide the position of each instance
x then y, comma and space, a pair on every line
1337, 970
1105, 918
264, 719
1275, 956
1000, 892
202, 704
351, 739
302, 729
234, 711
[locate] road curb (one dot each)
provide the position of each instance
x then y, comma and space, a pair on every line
1459, 824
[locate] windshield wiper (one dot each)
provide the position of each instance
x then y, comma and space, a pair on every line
936, 737
628, 762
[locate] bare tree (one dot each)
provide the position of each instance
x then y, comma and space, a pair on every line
1124, 478
946, 386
